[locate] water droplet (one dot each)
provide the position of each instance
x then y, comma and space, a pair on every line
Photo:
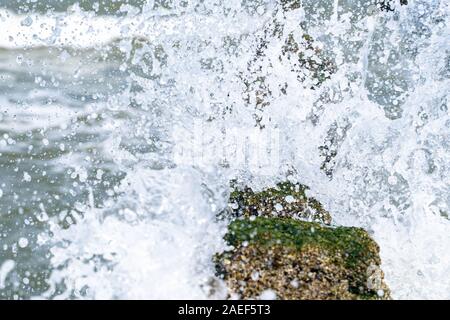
28, 21
289, 199
19, 59
23, 242
26, 177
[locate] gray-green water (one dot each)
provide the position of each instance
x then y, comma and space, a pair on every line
47, 134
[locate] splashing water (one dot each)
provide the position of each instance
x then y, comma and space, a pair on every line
125, 116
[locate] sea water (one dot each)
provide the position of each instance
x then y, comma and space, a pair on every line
121, 124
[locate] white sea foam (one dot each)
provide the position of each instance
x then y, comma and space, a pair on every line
160, 248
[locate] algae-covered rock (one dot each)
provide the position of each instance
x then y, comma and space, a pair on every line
300, 260
284, 200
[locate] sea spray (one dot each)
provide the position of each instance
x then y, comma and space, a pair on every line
370, 137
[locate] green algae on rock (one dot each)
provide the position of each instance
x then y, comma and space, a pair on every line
300, 260
286, 199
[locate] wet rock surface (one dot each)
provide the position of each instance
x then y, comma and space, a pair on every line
286, 199
389, 5
293, 258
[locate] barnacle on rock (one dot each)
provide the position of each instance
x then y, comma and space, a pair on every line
300, 260
286, 199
